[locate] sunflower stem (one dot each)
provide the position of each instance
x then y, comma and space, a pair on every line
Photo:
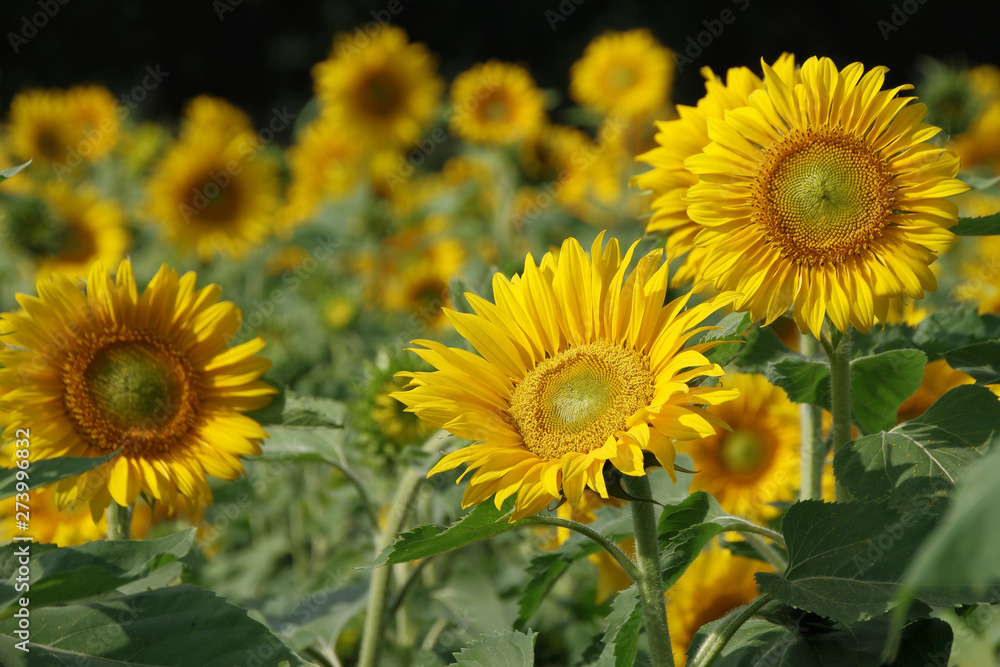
812, 447
624, 561
650, 580
119, 521
717, 640
767, 552
839, 352
378, 590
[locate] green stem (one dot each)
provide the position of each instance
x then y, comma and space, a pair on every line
378, 590
717, 640
769, 553
119, 521
624, 561
750, 527
650, 581
839, 352
812, 447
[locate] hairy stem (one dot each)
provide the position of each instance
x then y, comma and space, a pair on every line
119, 521
839, 352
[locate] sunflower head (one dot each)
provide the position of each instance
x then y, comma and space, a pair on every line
148, 374
580, 365
623, 73
496, 103
823, 195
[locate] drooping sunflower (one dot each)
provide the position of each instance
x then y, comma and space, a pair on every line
382, 92
151, 374
683, 137
580, 366
823, 196
215, 190
64, 230
496, 103
757, 462
714, 584
623, 73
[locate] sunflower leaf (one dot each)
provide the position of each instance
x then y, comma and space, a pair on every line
980, 360
545, 570
71, 573
179, 625
501, 649
483, 522
11, 171
804, 381
621, 639
846, 560
735, 329
987, 225
919, 461
880, 383
937, 334
291, 409
47, 471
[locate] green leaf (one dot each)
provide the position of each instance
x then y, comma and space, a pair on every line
987, 225
483, 522
981, 361
699, 507
621, 638
291, 409
804, 381
921, 459
48, 471
10, 171
763, 348
545, 570
294, 444
734, 328
936, 335
763, 642
880, 383
177, 626
72, 573
501, 649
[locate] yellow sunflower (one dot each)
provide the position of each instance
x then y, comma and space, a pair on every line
623, 73
683, 137
51, 525
939, 378
382, 92
580, 365
824, 197
715, 583
215, 117
40, 127
93, 111
64, 230
981, 285
150, 374
418, 280
496, 103
757, 462
215, 192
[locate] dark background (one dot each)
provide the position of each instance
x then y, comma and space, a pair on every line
259, 53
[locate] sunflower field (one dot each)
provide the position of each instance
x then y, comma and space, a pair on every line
451, 366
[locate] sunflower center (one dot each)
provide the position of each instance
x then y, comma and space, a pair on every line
214, 203
496, 110
128, 388
622, 77
380, 94
48, 144
822, 195
574, 401
743, 451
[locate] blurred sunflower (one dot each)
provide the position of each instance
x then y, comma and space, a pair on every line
93, 111
215, 190
496, 103
418, 281
939, 378
64, 230
40, 127
714, 584
561, 156
823, 197
51, 525
150, 374
581, 365
214, 117
980, 285
381, 94
324, 164
623, 73
757, 462
678, 140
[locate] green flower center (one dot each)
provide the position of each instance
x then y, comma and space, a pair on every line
496, 109
622, 77
822, 195
131, 385
574, 401
743, 451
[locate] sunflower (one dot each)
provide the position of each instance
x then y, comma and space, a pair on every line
939, 378
382, 93
40, 127
623, 73
64, 230
757, 463
106, 369
496, 103
683, 137
581, 365
324, 164
51, 525
714, 584
822, 196
93, 111
215, 117
215, 191
418, 280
